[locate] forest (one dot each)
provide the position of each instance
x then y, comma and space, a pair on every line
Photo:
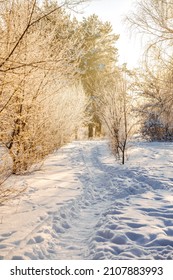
61, 83
58, 74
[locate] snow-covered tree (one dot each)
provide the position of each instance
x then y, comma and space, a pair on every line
153, 19
98, 56
38, 62
114, 106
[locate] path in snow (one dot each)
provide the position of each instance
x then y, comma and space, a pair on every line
106, 210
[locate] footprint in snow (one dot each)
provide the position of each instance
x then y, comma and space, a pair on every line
168, 223
135, 225
3, 246
169, 231
36, 239
134, 236
8, 234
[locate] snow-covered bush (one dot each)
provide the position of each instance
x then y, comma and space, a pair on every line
153, 129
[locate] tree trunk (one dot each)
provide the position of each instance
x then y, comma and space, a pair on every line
90, 131
98, 129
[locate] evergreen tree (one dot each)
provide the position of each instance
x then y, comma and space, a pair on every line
98, 58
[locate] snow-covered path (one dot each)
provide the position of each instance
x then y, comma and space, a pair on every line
84, 205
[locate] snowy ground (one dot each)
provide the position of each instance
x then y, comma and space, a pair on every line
84, 205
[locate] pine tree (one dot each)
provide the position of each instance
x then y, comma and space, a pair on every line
97, 59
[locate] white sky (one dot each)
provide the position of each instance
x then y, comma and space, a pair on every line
129, 45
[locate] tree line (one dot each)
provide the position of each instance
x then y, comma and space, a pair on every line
52, 77
58, 74
154, 78
41, 99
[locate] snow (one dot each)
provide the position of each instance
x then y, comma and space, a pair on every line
82, 204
